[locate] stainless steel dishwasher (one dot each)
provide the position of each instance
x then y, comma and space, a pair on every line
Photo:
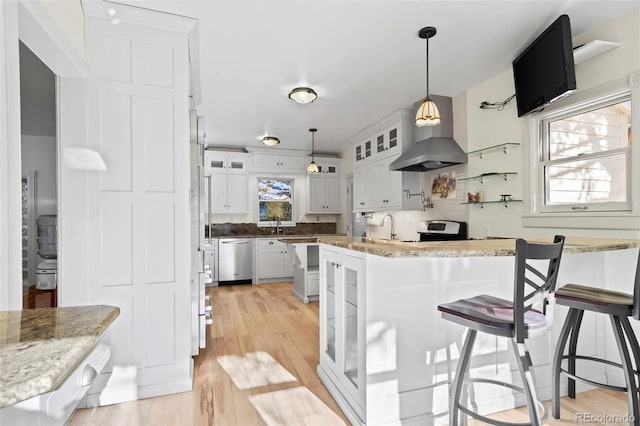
234, 259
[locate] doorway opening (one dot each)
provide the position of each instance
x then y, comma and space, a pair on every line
39, 181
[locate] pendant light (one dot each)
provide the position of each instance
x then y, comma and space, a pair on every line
427, 114
312, 167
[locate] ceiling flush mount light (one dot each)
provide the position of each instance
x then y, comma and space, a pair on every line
303, 95
427, 114
270, 140
312, 167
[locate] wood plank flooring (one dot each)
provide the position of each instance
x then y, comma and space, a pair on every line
262, 328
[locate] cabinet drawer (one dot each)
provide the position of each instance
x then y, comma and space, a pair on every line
268, 243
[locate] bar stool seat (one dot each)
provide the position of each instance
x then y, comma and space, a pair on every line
618, 306
516, 319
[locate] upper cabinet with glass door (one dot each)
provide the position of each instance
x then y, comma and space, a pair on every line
385, 138
225, 162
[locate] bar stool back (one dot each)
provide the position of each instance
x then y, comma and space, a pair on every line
516, 319
618, 306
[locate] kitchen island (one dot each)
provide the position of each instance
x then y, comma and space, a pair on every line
387, 357
49, 358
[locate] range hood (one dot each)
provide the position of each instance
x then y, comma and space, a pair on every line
430, 154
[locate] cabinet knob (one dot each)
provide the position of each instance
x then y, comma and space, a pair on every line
270, 243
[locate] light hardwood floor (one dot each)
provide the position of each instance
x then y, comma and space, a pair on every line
257, 331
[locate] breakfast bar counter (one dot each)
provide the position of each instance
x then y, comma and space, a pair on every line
468, 248
387, 356
40, 348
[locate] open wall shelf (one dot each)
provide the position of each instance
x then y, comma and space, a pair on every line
483, 176
482, 203
503, 147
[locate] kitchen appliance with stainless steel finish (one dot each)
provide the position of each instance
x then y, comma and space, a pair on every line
235, 260
201, 310
442, 230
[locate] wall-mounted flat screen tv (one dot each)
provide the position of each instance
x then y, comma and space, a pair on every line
545, 70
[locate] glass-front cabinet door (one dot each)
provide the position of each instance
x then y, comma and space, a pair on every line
328, 303
351, 271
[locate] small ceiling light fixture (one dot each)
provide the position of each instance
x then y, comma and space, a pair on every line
427, 114
270, 140
312, 167
303, 95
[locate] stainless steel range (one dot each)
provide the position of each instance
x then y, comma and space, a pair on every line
442, 230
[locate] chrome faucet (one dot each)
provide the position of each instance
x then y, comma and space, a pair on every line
393, 235
278, 226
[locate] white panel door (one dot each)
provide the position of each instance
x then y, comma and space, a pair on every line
138, 208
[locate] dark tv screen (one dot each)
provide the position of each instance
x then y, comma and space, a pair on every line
545, 70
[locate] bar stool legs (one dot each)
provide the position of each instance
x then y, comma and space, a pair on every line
458, 412
461, 371
624, 336
627, 368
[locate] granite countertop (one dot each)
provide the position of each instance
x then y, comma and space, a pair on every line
279, 237
39, 348
468, 248
299, 240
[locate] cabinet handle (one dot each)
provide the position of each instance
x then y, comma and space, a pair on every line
270, 243
88, 375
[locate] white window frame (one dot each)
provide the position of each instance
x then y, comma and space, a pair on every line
608, 215
272, 223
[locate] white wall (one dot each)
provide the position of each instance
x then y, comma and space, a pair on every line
69, 17
39, 154
491, 127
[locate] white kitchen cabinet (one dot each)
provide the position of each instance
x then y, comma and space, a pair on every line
270, 163
376, 188
323, 188
306, 274
324, 194
228, 193
342, 318
387, 137
273, 259
225, 162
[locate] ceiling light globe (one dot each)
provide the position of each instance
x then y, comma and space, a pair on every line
270, 140
303, 95
313, 168
428, 114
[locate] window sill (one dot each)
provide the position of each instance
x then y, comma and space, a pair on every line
592, 220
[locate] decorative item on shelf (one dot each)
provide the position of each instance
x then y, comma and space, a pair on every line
270, 140
303, 95
427, 114
506, 197
312, 167
473, 197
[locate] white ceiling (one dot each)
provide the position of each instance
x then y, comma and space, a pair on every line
364, 58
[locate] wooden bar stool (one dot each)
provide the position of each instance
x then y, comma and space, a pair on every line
618, 306
515, 319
